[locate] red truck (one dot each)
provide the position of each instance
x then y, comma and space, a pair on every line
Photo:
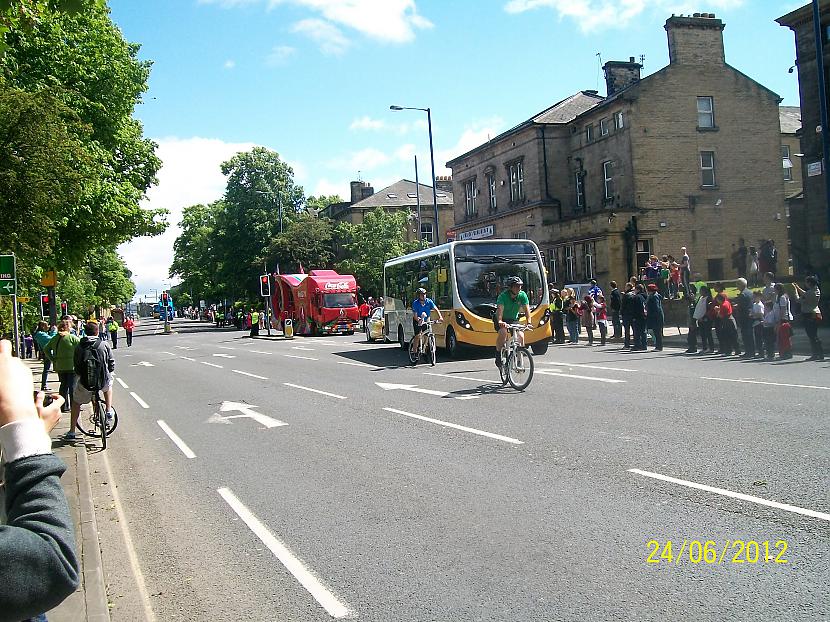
321, 302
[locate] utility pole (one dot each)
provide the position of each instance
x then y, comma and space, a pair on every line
822, 100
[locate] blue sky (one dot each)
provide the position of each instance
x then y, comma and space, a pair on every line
314, 79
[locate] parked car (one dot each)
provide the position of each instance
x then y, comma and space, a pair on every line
374, 325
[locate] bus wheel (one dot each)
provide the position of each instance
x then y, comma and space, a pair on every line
540, 347
451, 343
404, 345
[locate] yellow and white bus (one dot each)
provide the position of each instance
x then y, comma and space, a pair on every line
464, 279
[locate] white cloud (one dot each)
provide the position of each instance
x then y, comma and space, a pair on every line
189, 175
229, 64
324, 187
229, 4
326, 35
280, 55
596, 15
367, 159
367, 123
389, 21
405, 153
475, 134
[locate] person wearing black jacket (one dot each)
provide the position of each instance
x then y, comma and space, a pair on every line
743, 318
639, 318
38, 564
616, 308
628, 308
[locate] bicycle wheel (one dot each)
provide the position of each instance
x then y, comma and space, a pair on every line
414, 353
101, 421
520, 368
431, 350
503, 368
88, 422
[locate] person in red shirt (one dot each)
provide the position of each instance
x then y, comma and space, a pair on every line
726, 328
365, 309
602, 318
128, 325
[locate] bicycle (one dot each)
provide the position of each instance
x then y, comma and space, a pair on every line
427, 345
516, 360
96, 422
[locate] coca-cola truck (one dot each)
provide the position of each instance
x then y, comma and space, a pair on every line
321, 302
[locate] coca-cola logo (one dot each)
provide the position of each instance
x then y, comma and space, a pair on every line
337, 286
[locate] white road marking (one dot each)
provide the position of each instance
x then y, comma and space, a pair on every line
187, 358
356, 364
586, 366
141, 402
176, 439
302, 348
259, 352
296, 356
169, 353
149, 616
226, 356
247, 411
389, 386
311, 583
774, 384
225, 348
553, 373
734, 495
121, 382
185, 348
463, 428
298, 386
212, 364
429, 373
143, 364
244, 373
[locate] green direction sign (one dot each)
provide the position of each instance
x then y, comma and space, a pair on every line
7, 275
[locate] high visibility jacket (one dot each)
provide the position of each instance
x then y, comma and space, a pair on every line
254, 318
555, 305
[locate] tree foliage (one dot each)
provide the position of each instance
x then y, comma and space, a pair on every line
368, 245
305, 242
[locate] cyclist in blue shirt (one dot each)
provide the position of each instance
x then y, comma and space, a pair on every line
422, 308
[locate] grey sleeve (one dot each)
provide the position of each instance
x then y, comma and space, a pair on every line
38, 563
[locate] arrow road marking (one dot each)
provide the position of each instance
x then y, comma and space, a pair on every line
463, 428
388, 386
246, 410
225, 356
143, 364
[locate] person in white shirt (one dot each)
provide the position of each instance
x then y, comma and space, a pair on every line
757, 317
770, 322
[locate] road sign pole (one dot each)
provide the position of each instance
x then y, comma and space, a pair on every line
53, 308
14, 308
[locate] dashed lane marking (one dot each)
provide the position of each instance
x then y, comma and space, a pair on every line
356, 364
121, 382
259, 352
299, 386
773, 384
487, 380
455, 426
245, 373
212, 365
307, 579
734, 495
225, 348
297, 356
140, 401
585, 366
187, 358
176, 439
553, 373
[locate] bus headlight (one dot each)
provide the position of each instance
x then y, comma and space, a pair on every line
545, 318
462, 321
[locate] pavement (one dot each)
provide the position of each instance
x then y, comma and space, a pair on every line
319, 478
89, 601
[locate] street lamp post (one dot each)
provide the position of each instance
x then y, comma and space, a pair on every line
432, 160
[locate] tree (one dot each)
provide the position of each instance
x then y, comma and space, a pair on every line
194, 258
306, 241
370, 244
319, 204
25, 14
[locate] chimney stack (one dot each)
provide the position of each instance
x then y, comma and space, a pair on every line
621, 74
443, 183
360, 190
695, 40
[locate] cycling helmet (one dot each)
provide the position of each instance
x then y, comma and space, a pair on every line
421, 290
514, 280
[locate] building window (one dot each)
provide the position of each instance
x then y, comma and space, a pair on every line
707, 169
705, 112
426, 231
619, 121
491, 190
608, 179
552, 266
520, 235
589, 133
470, 194
603, 127
579, 184
788, 163
643, 253
517, 182
570, 266
589, 251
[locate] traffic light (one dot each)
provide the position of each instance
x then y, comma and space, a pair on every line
164, 298
265, 285
44, 305
64, 308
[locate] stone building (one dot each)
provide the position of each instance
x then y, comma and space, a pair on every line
687, 156
401, 196
791, 157
810, 229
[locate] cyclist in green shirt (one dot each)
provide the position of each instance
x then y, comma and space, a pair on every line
510, 303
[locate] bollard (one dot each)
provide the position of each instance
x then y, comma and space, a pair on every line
289, 329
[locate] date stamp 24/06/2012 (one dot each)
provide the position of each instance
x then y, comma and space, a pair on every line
714, 552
